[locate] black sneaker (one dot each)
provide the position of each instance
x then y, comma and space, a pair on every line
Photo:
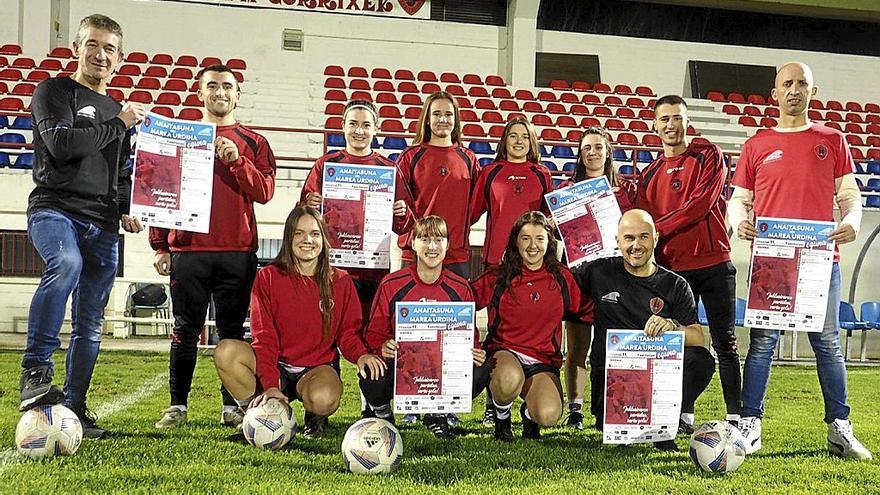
368, 413
685, 428
575, 420
453, 420
530, 429
489, 415
89, 422
666, 446
36, 389
438, 425
314, 426
503, 429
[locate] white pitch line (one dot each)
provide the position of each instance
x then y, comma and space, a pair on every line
10, 456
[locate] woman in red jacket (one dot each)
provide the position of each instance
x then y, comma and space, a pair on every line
303, 312
528, 295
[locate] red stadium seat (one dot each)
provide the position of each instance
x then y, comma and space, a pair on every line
854, 140
162, 59
833, 116
513, 115
129, 70
591, 99
331, 109
756, 100
817, 104
413, 126
580, 86
748, 121
380, 73
10, 75
404, 74
496, 131
333, 123
192, 100
509, 106
23, 63
857, 154
574, 135
478, 92
569, 98
50, 64
172, 99
492, 117
814, 115
389, 112
627, 139
771, 112
356, 71
361, 95
132, 57
651, 140
413, 112
715, 96
190, 114
590, 122
467, 115
11, 105
455, 90
872, 108
731, 109
37, 76
121, 82
181, 73
472, 79
624, 113
644, 91
692, 131
386, 98
523, 94
833, 125
115, 94
426, 75
3, 61
156, 71
236, 64
334, 82
175, 85
60, 52
474, 130
578, 109
634, 102
141, 96
550, 135
613, 101
238, 76
485, 104
23, 89
834, 105
873, 141
463, 102
501, 93
614, 124
392, 125
494, 80
566, 121
10, 49
407, 87
873, 118
449, 77
639, 126
541, 120
557, 109
853, 117
752, 110
559, 84
209, 61
163, 111
532, 107
873, 129
332, 70
546, 96
383, 85
873, 153
187, 61
3, 87
623, 89
411, 99
150, 83
735, 97
430, 87
360, 84
768, 122
646, 114
601, 88
600, 111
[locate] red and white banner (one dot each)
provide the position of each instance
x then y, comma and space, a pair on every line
415, 9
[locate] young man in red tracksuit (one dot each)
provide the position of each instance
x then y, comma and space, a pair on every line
683, 189
441, 175
222, 263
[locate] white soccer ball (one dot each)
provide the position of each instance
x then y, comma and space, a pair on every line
718, 447
270, 425
372, 446
47, 431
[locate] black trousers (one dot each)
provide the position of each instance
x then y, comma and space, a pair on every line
716, 286
380, 392
699, 366
196, 277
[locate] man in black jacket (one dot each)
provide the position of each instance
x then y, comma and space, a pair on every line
81, 146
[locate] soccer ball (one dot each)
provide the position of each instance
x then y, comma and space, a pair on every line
372, 446
47, 431
270, 425
718, 447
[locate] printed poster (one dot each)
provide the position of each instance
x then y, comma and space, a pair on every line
586, 215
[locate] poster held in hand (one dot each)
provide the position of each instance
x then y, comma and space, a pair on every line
586, 215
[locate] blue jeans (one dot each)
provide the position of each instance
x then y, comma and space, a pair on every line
829, 362
81, 259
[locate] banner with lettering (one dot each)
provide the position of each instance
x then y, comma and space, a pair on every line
413, 9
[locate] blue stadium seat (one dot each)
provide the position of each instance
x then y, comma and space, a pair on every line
4, 122
393, 156
545, 153
13, 137
619, 155
859, 169
569, 167
873, 201
873, 185
486, 161
740, 315
549, 165
873, 167
374, 143
24, 161
480, 147
562, 152
644, 156
394, 143
870, 314
4, 160
626, 170
22, 122
860, 184
847, 318
701, 313
557, 183
333, 140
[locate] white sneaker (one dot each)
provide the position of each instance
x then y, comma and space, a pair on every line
231, 417
171, 418
843, 443
750, 427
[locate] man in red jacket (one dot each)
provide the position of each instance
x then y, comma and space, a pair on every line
683, 190
222, 263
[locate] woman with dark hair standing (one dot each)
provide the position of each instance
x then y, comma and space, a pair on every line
528, 295
303, 312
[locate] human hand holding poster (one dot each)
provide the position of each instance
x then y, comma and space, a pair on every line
643, 386
173, 174
790, 274
586, 215
434, 364
358, 207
